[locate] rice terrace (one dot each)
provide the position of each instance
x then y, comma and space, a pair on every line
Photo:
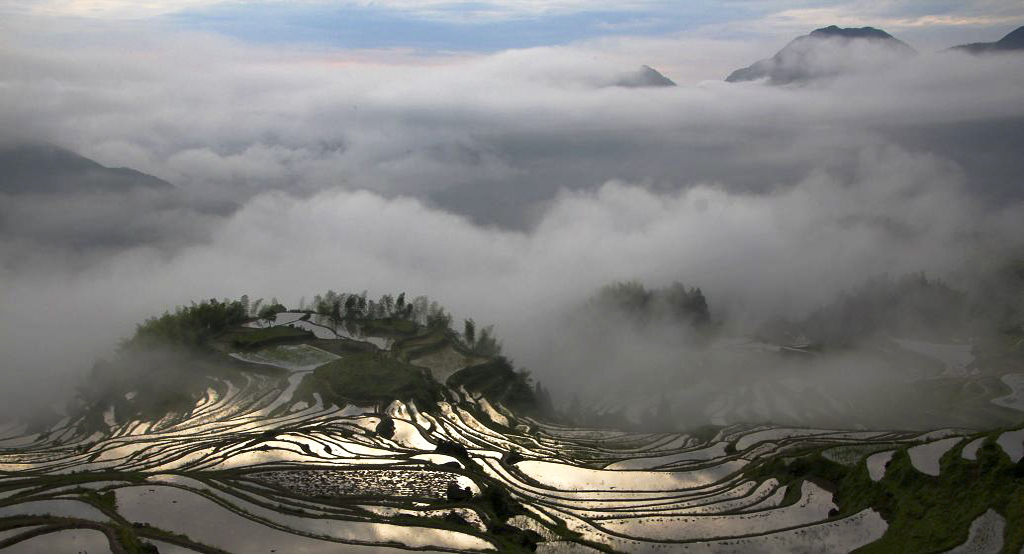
511, 276
303, 432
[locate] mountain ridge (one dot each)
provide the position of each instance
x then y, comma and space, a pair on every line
645, 76
1012, 41
794, 62
46, 168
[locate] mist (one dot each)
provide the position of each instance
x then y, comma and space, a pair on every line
510, 187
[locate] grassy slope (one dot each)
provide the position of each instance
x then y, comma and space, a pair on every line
389, 327
370, 378
248, 337
934, 513
925, 513
498, 381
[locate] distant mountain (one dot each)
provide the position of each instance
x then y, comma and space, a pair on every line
1011, 42
646, 76
822, 53
31, 169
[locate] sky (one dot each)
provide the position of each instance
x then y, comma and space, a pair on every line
483, 154
489, 26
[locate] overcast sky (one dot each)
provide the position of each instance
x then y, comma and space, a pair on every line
480, 153
433, 26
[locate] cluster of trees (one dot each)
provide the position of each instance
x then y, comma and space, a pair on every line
189, 326
164, 379
914, 305
163, 362
501, 382
261, 310
910, 305
193, 325
349, 306
999, 300
641, 305
482, 343
339, 307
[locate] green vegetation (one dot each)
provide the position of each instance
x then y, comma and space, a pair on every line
170, 362
357, 307
851, 454
429, 341
270, 310
190, 326
925, 513
641, 305
370, 378
390, 326
498, 380
934, 513
396, 317
1000, 300
914, 305
173, 359
911, 305
297, 355
149, 384
483, 343
248, 337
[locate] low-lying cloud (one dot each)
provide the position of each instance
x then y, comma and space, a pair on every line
754, 255
508, 187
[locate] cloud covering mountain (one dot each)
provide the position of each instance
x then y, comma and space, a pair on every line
45, 169
1013, 41
826, 52
507, 186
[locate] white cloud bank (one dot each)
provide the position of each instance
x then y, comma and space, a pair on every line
352, 175
758, 253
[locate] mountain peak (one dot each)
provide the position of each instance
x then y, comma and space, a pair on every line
645, 76
45, 168
1015, 37
1014, 40
851, 33
822, 52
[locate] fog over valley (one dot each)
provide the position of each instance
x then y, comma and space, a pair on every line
508, 186
571, 250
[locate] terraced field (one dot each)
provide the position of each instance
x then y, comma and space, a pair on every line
261, 463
